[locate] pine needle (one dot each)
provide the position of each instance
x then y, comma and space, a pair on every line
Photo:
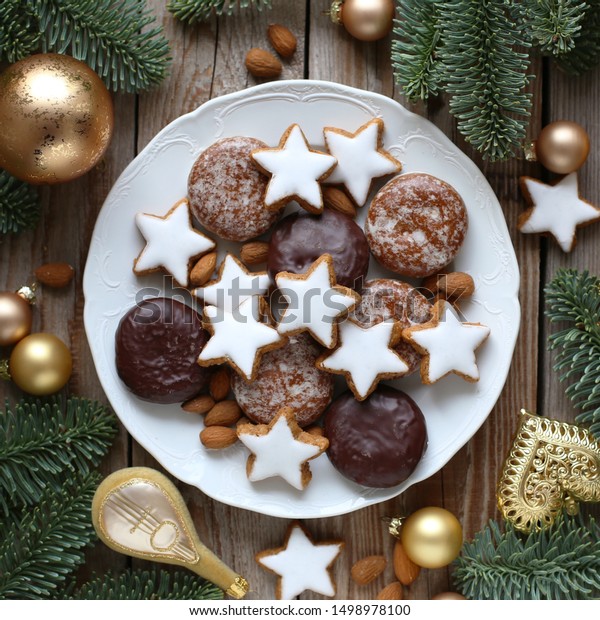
586, 53
193, 11
19, 35
19, 205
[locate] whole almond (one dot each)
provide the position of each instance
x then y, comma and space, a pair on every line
282, 39
262, 63
220, 384
335, 198
404, 568
391, 592
254, 252
203, 269
225, 413
367, 569
450, 285
201, 404
218, 437
55, 275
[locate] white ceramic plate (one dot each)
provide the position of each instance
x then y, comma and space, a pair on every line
156, 179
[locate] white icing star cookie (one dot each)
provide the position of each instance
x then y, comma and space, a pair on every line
281, 448
447, 345
365, 356
360, 158
556, 209
301, 564
315, 302
239, 338
171, 243
233, 286
296, 170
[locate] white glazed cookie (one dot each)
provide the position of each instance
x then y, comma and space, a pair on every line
447, 344
556, 209
296, 172
281, 449
234, 285
365, 356
301, 564
171, 243
360, 158
315, 302
239, 338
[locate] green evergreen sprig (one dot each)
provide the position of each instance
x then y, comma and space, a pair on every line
573, 299
193, 11
140, 585
415, 46
586, 53
19, 35
44, 442
19, 205
560, 563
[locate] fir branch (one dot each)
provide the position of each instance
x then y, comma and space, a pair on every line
47, 544
111, 36
586, 53
138, 585
19, 34
573, 298
192, 11
42, 442
417, 38
19, 206
560, 563
486, 74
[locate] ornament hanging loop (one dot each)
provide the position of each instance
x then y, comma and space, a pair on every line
394, 525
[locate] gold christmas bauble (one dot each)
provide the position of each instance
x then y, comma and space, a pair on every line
431, 537
15, 318
366, 20
40, 364
56, 118
562, 147
448, 596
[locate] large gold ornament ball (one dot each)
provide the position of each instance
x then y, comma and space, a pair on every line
448, 596
40, 364
56, 118
15, 318
432, 537
562, 147
368, 20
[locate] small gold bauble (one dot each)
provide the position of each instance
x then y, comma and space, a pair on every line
448, 596
40, 364
15, 318
432, 537
367, 20
56, 118
562, 147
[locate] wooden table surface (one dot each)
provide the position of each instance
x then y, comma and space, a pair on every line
208, 61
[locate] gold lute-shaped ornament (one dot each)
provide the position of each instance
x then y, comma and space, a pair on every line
551, 465
139, 512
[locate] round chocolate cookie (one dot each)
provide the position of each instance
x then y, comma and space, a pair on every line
300, 239
157, 346
391, 299
226, 190
416, 224
377, 442
287, 377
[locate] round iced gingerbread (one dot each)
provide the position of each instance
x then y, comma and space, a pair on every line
226, 191
416, 224
287, 377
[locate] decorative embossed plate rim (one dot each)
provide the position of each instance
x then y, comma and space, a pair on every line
156, 179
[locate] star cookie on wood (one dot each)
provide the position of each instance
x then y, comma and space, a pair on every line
301, 564
239, 338
296, 172
360, 157
234, 285
171, 243
557, 210
315, 301
281, 449
365, 356
447, 344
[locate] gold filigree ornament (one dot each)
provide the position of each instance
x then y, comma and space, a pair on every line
139, 512
551, 465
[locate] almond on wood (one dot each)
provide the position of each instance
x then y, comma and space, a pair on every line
367, 569
262, 63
